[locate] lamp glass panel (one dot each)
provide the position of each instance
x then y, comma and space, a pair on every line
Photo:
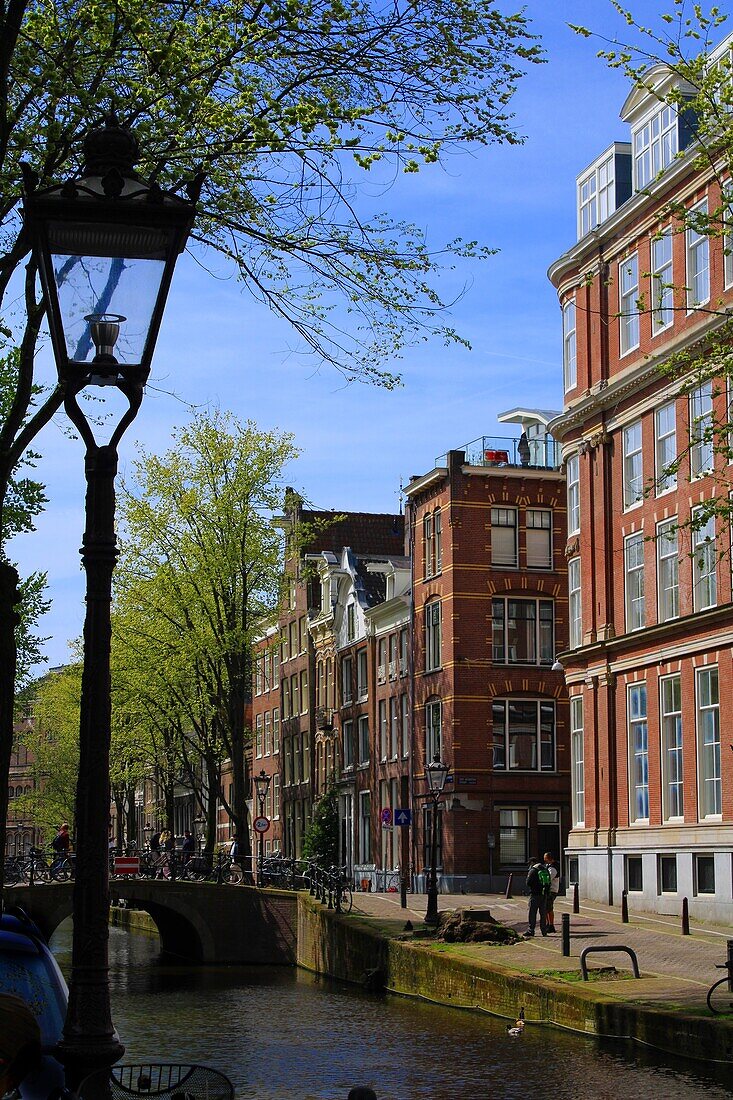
91, 284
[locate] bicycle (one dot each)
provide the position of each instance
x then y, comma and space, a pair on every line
720, 994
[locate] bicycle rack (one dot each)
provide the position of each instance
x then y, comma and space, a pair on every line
608, 947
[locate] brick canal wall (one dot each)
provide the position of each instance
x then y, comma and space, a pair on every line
353, 951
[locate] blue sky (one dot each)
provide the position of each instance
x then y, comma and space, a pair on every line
357, 442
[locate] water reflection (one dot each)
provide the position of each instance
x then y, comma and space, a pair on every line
286, 1035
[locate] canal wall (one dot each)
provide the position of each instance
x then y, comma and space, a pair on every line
351, 950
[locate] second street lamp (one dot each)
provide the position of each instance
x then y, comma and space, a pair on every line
262, 786
436, 773
106, 244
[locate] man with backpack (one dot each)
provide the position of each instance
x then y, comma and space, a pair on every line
553, 891
538, 888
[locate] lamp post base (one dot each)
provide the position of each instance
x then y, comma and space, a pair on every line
84, 1054
431, 913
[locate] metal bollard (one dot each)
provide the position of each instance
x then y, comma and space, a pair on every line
566, 935
509, 887
685, 918
576, 899
403, 891
729, 961
624, 907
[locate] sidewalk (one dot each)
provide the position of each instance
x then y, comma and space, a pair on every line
676, 970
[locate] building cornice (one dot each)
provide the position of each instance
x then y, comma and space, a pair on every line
419, 484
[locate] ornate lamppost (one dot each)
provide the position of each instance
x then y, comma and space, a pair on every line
199, 824
262, 786
436, 773
105, 243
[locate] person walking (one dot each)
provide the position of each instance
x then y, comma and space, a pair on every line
538, 881
188, 847
554, 889
60, 844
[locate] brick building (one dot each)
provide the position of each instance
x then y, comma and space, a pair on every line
487, 534
649, 666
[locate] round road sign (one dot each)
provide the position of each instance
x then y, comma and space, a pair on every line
261, 824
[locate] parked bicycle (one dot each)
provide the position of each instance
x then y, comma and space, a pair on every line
35, 867
720, 994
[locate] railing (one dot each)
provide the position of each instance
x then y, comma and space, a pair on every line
492, 450
331, 886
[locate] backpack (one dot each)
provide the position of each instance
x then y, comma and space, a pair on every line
545, 879
57, 844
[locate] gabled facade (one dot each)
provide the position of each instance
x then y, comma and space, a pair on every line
651, 620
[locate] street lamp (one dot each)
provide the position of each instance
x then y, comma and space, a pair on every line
262, 786
436, 773
199, 822
105, 244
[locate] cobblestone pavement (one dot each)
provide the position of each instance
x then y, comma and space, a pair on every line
675, 969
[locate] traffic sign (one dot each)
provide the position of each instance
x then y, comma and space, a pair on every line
403, 817
261, 824
127, 865
386, 816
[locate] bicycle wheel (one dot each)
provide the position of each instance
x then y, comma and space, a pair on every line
720, 998
347, 899
41, 871
12, 874
235, 875
62, 872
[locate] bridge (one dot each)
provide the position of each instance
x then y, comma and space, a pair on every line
197, 922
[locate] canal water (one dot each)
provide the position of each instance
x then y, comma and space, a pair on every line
286, 1035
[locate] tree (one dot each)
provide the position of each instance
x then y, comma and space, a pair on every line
685, 47
321, 838
277, 104
200, 572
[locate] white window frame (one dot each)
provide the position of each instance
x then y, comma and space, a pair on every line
364, 746
628, 298
707, 714
662, 282
502, 652
596, 196
347, 690
697, 262
500, 555
655, 145
541, 763
569, 345
348, 739
728, 236
433, 635
362, 675
638, 730
433, 729
575, 605
539, 545
633, 465
704, 565
665, 447
702, 455
573, 486
577, 751
634, 581
668, 580
670, 723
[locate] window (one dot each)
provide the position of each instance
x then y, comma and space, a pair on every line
655, 146
573, 481
293, 631
394, 726
404, 722
668, 591
383, 731
575, 610
628, 297
403, 651
433, 728
437, 542
704, 874
578, 759
346, 689
350, 622
348, 744
596, 196
432, 543
671, 722
276, 730
295, 694
523, 735
728, 239
539, 538
268, 733
523, 631
393, 656
634, 874
698, 257
708, 742
634, 581
662, 285
569, 352
303, 633
638, 752
668, 874
361, 674
633, 466
704, 579
504, 537
665, 447
258, 676
427, 528
365, 827
304, 692
275, 667
513, 836
364, 739
258, 735
701, 430
432, 636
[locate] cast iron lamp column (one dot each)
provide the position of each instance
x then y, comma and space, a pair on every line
436, 774
262, 786
106, 244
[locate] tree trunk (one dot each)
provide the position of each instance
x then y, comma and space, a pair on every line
130, 818
213, 781
8, 620
119, 798
239, 678
170, 803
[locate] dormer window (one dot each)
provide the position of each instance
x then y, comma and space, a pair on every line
603, 187
655, 145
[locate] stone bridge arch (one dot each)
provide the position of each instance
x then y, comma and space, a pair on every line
197, 922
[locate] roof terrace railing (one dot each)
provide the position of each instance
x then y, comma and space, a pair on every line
492, 450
